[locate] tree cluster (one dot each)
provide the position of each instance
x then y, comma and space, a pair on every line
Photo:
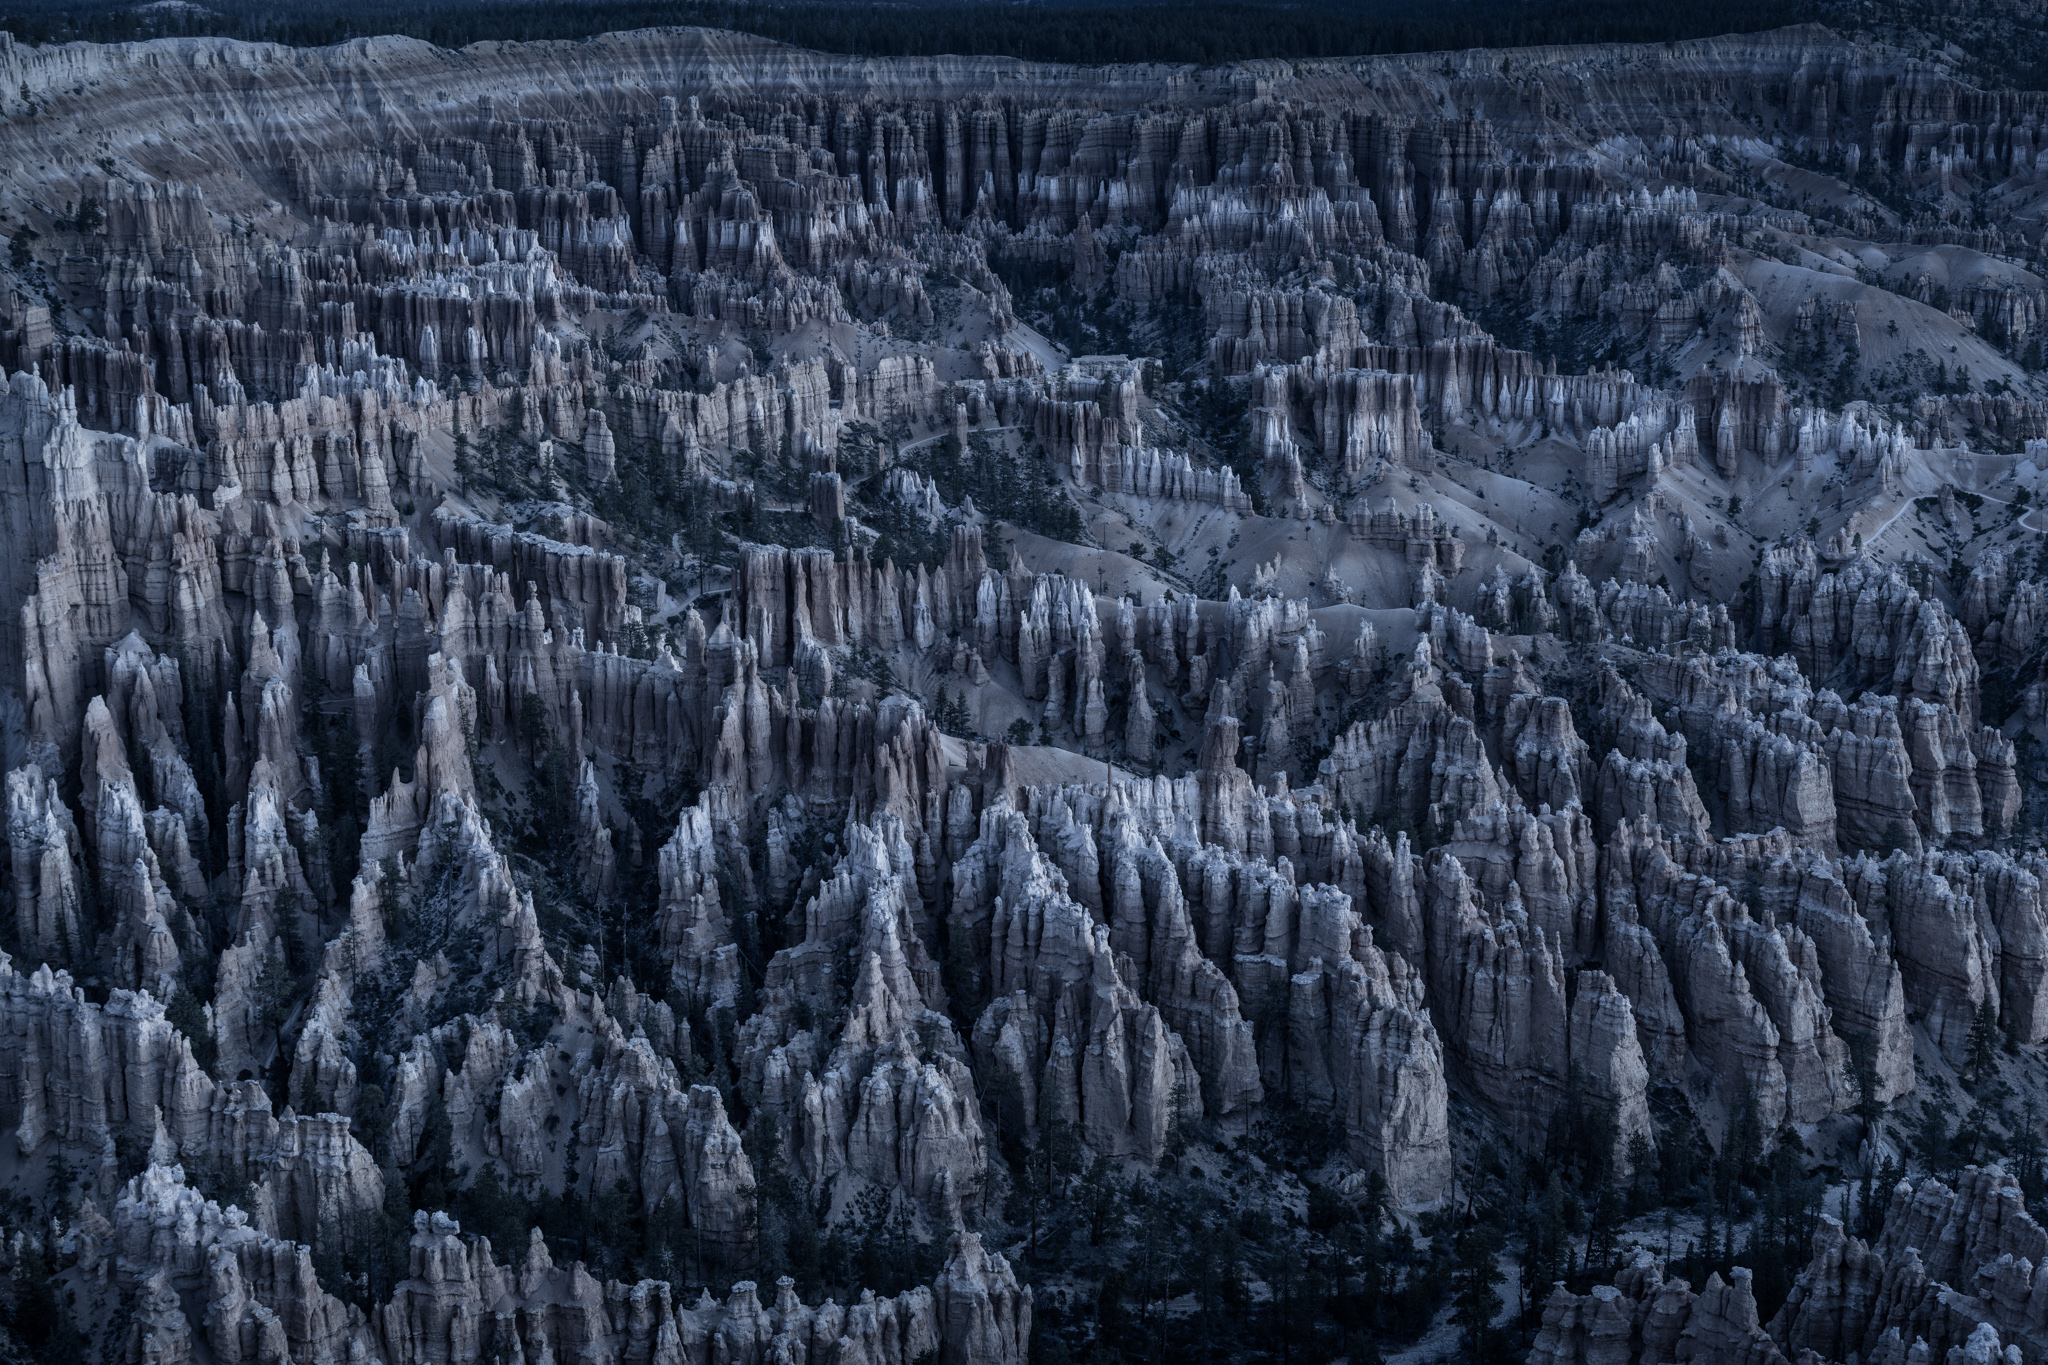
1208, 31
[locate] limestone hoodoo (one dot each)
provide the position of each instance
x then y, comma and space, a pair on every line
673, 700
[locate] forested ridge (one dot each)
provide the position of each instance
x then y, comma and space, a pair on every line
1060, 31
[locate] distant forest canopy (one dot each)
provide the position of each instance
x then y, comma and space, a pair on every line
1995, 43
1080, 31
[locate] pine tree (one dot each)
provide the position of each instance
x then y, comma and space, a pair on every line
1739, 1154
1983, 1042
1643, 1174
1934, 1143
1547, 1248
1874, 1208
2027, 1162
1604, 1231
1475, 1293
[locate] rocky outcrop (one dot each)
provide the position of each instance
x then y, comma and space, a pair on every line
458, 1304
871, 1083
1953, 1272
43, 840
1748, 991
670, 864
1892, 1299
1080, 1044
1644, 1316
260, 1294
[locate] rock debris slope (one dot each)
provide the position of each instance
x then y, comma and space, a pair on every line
613, 651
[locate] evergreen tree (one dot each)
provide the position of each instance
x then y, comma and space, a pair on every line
1983, 1042
1934, 1140
2027, 1165
1475, 1288
1643, 1174
1740, 1151
1603, 1232
1549, 1255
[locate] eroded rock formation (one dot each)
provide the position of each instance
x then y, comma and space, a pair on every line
578, 661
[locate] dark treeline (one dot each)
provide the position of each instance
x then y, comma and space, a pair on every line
1061, 30
1992, 42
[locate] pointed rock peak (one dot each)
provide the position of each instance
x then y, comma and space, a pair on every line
537, 1260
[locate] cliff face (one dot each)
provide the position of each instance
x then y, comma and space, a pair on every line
709, 661
1884, 1300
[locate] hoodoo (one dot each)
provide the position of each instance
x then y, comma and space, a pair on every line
673, 699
